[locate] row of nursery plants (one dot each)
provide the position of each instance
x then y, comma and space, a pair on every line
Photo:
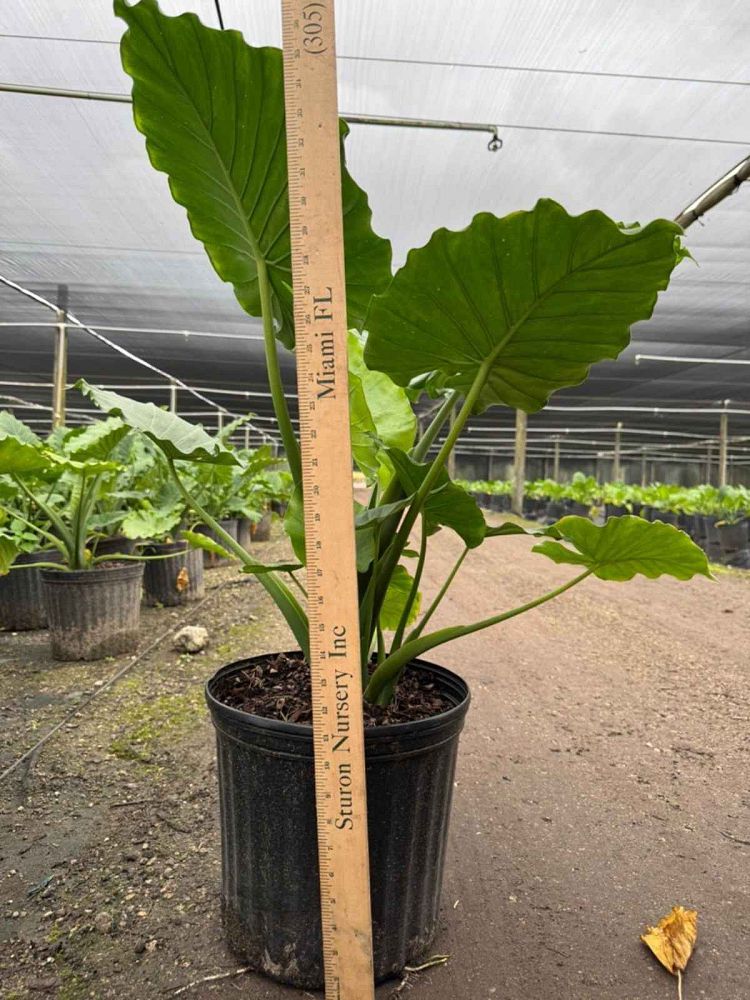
503, 313
90, 518
716, 517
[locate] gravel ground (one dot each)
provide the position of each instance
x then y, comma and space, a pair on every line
603, 777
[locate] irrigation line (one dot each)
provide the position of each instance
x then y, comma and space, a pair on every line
171, 379
30, 754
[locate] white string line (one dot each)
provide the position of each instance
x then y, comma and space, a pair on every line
172, 379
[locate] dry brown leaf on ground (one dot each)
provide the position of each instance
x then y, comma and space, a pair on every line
183, 580
673, 939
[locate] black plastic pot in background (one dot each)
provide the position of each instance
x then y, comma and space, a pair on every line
270, 892
21, 602
210, 559
93, 613
579, 509
733, 538
114, 545
665, 515
647, 512
614, 510
245, 532
261, 530
279, 507
712, 546
164, 581
555, 510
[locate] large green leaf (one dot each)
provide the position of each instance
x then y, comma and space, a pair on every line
379, 411
530, 300
175, 436
212, 110
624, 547
8, 552
97, 440
153, 523
13, 426
448, 504
399, 588
19, 458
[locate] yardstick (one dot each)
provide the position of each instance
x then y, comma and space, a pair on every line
317, 242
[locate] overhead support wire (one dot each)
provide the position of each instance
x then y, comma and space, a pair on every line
72, 320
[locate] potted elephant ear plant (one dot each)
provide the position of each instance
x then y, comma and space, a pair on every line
503, 313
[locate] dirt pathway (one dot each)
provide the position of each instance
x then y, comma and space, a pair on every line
603, 777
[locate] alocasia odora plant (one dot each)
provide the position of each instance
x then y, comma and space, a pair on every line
504, 312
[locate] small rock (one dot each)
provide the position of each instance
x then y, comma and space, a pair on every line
140, 947
191, 639
103, 922
43, 985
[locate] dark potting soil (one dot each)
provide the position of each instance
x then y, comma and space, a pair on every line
279, 688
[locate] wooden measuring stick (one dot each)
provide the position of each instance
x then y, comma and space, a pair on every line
317, 239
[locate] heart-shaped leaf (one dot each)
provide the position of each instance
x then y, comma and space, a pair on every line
399, 588
380, 413
448, 504
525, 303
212, 110
624, 547
176, 437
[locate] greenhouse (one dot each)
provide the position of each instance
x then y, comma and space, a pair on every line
374, 499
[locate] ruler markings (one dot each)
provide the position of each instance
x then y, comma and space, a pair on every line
313, 153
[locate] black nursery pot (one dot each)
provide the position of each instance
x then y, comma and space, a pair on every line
733, 537
114, 545
230, 525
270, 892
245, 532
162, 582
93, 613
261, 530
665, 515
21, 601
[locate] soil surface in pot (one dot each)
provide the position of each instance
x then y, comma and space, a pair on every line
602, 778
280, 689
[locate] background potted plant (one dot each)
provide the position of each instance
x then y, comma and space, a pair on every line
92, 601
155, 522
503, 313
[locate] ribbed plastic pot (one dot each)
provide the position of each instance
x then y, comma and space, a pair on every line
21, 602
210, 559
114, 545
270, 892
664, 515
733, 537
261, 530
93, 613
614, 510
245, 532
555, 510
579, 509
162, 582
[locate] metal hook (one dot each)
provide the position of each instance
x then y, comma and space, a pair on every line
495, 143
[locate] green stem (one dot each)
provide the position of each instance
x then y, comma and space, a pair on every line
42, 532
415, 633
40, 565
413, 591
63, 530
281, 595
419, 452
390, 668
291, 446
393, 554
